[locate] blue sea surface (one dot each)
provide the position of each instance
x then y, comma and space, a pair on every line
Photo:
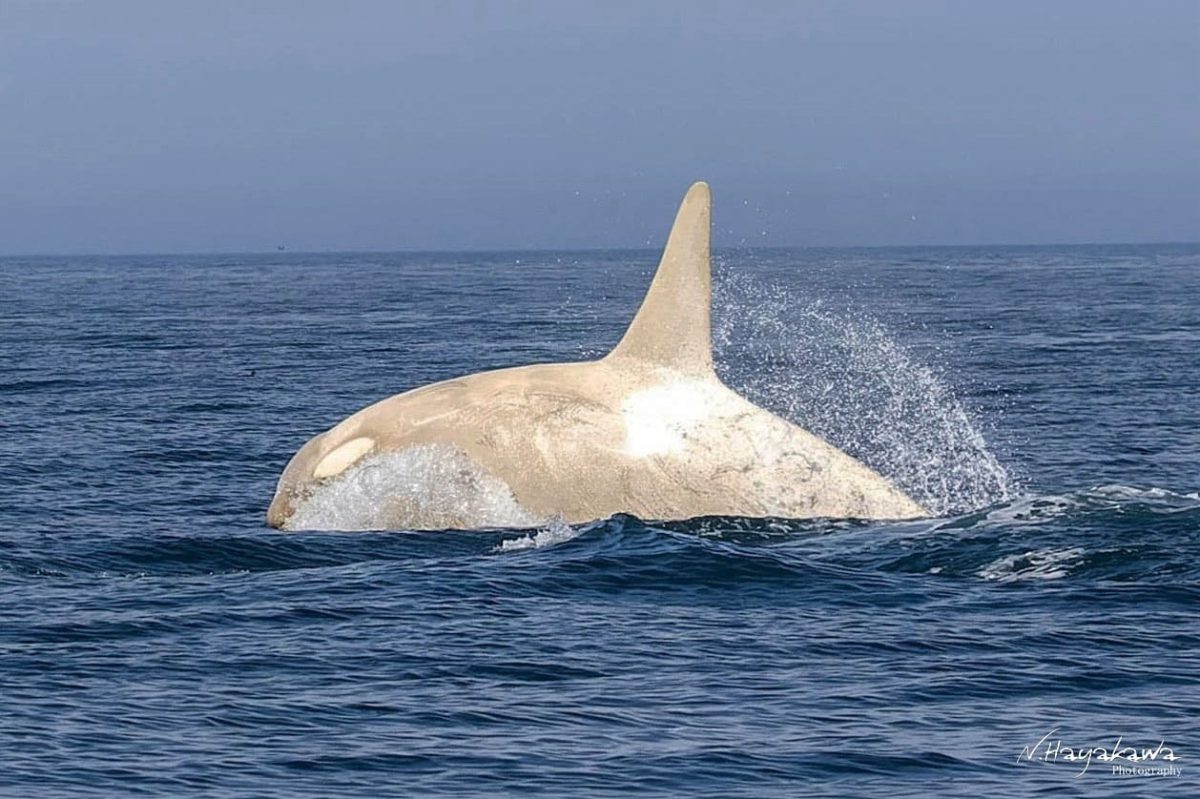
157, 639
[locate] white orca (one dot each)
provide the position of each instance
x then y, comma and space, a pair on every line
648, 429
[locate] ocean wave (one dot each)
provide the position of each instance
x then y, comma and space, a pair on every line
1045, 564
1132, 533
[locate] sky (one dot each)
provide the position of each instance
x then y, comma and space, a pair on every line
218, 126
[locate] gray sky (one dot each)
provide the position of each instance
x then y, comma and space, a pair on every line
163, 126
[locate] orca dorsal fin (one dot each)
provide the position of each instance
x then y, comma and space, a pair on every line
672, 329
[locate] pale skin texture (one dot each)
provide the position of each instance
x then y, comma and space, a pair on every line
647, 430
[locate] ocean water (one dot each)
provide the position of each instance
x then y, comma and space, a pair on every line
157, 639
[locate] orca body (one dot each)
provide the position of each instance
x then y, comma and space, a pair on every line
648, 429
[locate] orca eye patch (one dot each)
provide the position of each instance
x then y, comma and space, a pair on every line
342, 457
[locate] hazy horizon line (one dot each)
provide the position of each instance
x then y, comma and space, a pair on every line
500, 250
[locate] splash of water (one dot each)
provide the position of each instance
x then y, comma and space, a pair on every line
840, 374
556, 532
436, 485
